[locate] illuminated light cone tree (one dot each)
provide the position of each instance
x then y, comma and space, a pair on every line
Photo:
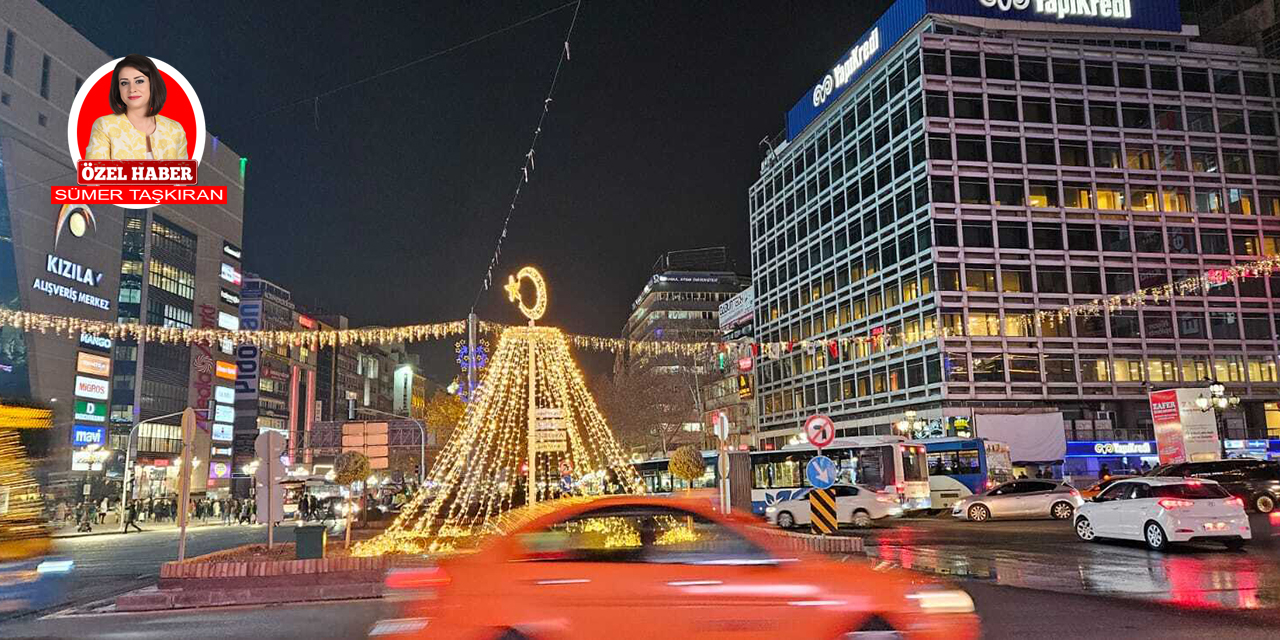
534, 404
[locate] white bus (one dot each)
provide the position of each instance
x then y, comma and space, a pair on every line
888, 464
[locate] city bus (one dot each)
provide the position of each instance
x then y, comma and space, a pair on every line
960, 467
888, 464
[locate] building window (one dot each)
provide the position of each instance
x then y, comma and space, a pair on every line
172, 279
44, 77
42, 120
10, 42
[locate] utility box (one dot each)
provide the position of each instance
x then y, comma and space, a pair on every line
310, 541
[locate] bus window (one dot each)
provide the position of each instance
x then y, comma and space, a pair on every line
871, 468
913, 464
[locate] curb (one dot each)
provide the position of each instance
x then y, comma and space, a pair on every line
114, 532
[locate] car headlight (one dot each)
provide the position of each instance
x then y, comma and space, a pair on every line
770, 509
943, 601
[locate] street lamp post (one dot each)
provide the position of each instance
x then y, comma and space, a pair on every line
126, 486
1218, 400
422, 440
909, 425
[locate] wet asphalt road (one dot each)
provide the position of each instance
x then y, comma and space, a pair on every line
1045, 555
1028, 579
111, 564
1007, 612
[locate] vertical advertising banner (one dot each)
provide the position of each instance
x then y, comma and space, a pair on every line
1167, 421
1199, 428
1184, 433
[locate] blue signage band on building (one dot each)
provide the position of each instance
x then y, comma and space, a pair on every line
1091, 448
902, 16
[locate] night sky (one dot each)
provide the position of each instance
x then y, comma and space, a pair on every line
388, 210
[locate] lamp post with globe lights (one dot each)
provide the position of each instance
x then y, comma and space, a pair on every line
1218, 401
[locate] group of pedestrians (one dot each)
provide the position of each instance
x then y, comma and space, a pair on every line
155, 510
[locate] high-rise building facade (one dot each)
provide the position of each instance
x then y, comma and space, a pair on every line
1251, 23
165, 265
681, 302
972, 162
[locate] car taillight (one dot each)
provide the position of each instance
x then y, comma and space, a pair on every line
1234, 500
424, 578
1174, 503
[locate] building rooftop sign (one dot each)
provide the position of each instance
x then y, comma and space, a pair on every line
903, 15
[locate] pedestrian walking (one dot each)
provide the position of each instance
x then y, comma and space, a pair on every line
103, 509
131, 517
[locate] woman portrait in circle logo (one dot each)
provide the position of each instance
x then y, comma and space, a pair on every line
135, 130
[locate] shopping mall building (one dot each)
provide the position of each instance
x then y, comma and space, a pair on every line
967, 163
169, 265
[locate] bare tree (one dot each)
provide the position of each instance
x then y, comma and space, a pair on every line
647, 409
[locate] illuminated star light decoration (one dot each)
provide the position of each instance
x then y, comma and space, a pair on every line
464, 389
479, 475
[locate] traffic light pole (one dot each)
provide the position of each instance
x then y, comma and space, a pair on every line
126, 484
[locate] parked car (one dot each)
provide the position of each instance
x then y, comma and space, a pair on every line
1255, 482
855, 504
1020, 499
1164, 510
648, 567
1099, 486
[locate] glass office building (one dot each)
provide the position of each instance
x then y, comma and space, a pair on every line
965, 166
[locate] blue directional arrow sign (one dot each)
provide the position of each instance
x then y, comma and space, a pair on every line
821, 472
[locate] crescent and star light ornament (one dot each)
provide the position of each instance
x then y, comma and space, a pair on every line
540, 292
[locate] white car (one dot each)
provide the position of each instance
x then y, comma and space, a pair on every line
1159, 511
855, 504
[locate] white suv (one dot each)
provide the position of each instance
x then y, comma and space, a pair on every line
1159, 511
855, 504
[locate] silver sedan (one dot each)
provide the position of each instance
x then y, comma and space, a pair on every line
1020, 499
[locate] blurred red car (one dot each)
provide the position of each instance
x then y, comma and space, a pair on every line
640, 567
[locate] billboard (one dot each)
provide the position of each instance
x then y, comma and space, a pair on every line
738, 309
1184, 433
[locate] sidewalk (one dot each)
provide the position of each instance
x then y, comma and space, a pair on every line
110, 528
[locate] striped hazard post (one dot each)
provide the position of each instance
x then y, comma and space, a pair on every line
822, 510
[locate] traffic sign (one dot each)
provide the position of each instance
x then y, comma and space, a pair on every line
550, 446
566, 467
822, 510
821, 472
548, 414
269, 493
543, 425
566, 483
820, 430
722, 425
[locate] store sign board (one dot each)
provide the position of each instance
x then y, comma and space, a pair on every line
91, 411
93, 364
224, 395
91, 388
223, 432
84, 435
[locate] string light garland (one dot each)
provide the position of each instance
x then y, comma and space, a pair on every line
527, 166
72, 327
